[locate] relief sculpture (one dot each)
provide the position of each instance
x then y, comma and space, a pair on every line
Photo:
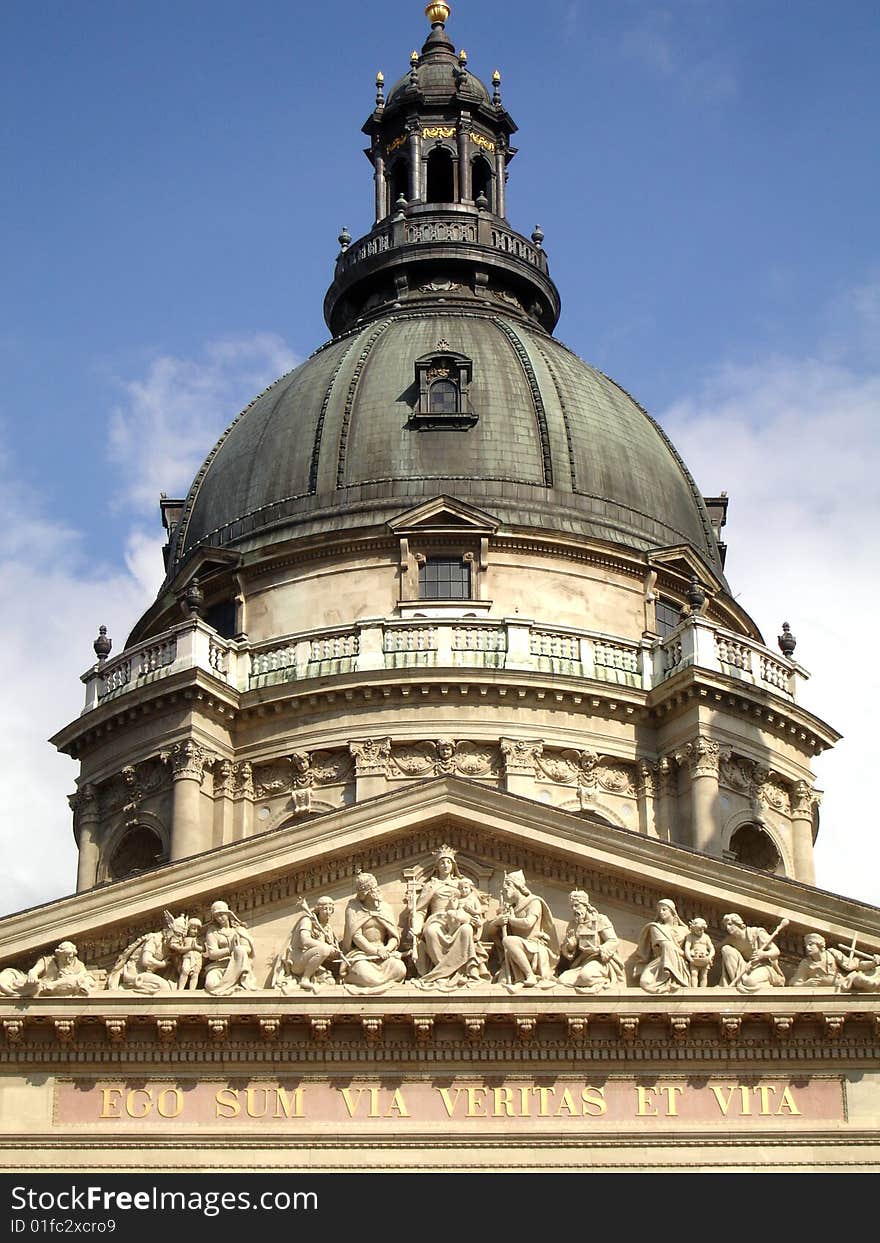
749, 956
590, 949
306, 961
373, 962
446, 924
527, 933
59, 974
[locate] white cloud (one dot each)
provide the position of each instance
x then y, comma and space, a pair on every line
795, 443
659, 45
168, 420
160, 432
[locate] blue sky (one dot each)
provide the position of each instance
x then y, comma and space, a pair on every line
175, 176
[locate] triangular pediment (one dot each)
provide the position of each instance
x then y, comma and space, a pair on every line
265, 877
441, 514
682, 559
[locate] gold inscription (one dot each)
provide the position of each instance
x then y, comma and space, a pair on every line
485, 143
438, 131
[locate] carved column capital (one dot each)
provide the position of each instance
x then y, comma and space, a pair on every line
520, 755
645, 781
187, 760
371, 756
702, 757
244, 780
85, 804
803, 799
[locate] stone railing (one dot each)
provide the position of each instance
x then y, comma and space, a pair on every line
442, 643
428, 226
702, 643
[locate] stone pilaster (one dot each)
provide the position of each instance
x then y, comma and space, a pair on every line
86, 810
371, 756
465, 188
243, 802
646, 792
414, 150
665, 774
520, 755
224, 779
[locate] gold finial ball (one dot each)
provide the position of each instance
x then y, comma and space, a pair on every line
380, 78
496, 78
462, 57
414, 57
437, 14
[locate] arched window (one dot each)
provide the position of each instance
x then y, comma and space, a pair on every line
481, 180
443, 397
441, 177
750, 844
398, 181
140, 848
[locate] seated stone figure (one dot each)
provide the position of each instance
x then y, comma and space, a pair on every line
305, 962
529, 944
589, 949
149, 965
229, 954
371, 941
748, 957
860, 973
821, 966
446, 921
661, 965
59, 974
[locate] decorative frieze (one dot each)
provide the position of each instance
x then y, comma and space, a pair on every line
520, 755
371, 756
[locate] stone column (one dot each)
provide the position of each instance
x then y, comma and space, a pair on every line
702, 757
86, 819
500, 178
645, 790
802, 802
188, 837
414, 149
520, 756
381, 188
465, 189
371, 757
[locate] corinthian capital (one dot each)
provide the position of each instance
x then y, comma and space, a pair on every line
187, 759
520, 755
702, 756
803, 798
371, 756
84, 803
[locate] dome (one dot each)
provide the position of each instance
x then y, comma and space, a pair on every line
439, 79
554, 444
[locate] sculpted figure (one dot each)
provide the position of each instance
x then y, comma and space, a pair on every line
188, 951
148, 965
229, 954
529, 944
371, 940
311, 947
60, 974
821, 966
749, 957
862, 973
446, 923
590, 947
663, 967
699, 952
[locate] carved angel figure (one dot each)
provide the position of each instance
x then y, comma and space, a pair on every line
589, 948
311, 948
59, 974
370, 944
529, 944
662, 966
446, 923
229, 952
148, 965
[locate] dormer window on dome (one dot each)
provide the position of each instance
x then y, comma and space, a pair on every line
442, 382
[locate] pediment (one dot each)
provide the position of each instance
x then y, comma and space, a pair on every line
264, 878
682, 559
441, 514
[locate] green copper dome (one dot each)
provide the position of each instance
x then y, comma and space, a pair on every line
555, 445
